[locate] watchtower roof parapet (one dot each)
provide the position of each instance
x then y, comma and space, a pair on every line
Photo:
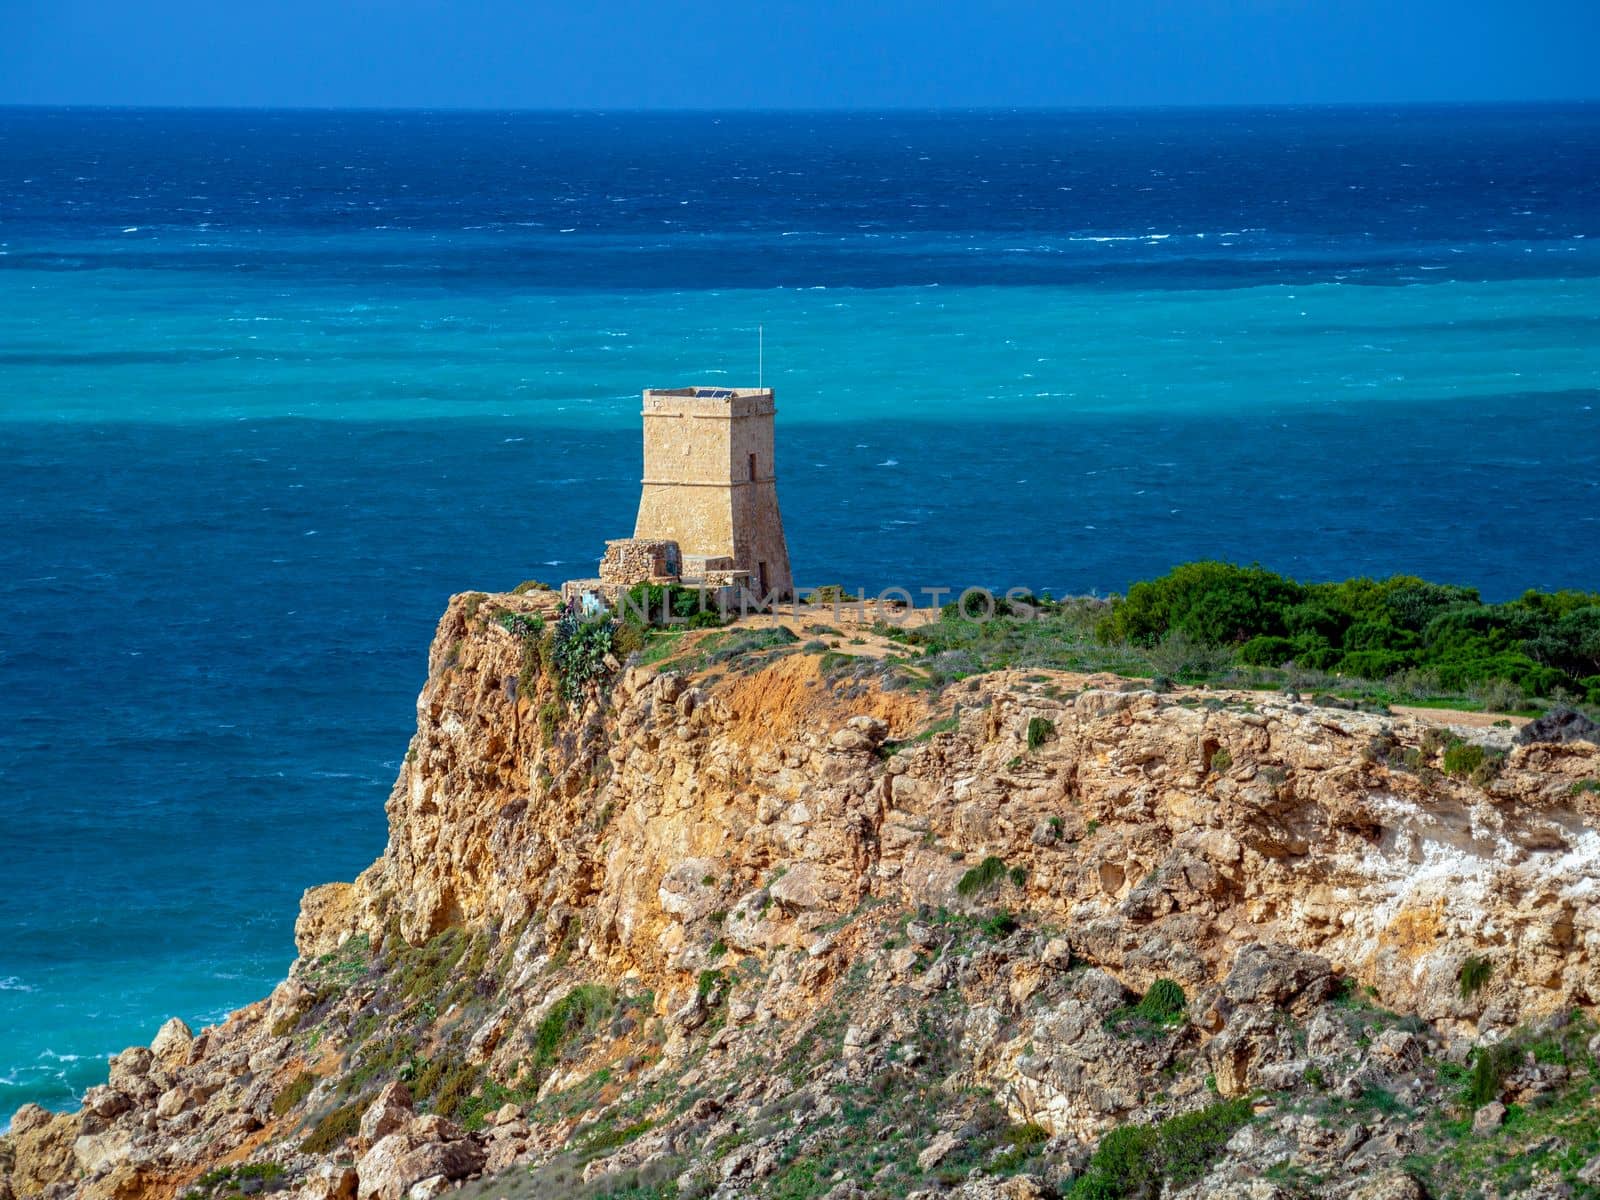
712, 402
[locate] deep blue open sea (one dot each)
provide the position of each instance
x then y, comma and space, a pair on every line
274, 384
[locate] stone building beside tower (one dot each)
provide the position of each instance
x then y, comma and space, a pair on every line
708, 500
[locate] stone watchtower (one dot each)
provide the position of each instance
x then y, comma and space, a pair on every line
710, 484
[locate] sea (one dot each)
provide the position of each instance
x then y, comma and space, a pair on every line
274, 384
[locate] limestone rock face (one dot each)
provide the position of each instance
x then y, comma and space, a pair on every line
1308, 841
172, 1043
1279, 976
1393, 1186
389, 1112
330, 1182
325, 918
424, 1149
695, 923
41, 1145
97, 1153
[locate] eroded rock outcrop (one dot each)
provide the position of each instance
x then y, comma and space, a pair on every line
705, 920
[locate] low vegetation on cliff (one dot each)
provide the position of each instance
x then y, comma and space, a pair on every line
1398, 639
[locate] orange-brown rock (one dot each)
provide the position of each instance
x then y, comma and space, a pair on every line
734, 855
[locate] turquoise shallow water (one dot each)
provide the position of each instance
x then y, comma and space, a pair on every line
149, 346
273, 385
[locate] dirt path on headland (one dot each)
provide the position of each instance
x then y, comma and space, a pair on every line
1450, 716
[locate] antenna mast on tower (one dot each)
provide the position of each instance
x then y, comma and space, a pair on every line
761, 355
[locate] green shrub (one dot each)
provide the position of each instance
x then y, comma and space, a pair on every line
579, 651
524, 625
1266, 651
531, 585
454, 1085
1133, 1161
982, 877
661, 606
1179, 655
737, 643
1475, 972
296, 1090
998, 924
1123, 1165
1498, 695
1212, 602
707, 983
1040, 731
1022, 1142
1221, 760
1163, 1003
1462, 759
1028, 1136
550, 714
330, 1132
1490, 1066
1371, 628
1373, 664
529, 629
629, 637
1190, 1143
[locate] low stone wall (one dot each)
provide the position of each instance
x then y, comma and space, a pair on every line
639, 560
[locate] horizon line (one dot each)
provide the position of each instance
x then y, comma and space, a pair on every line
828, 110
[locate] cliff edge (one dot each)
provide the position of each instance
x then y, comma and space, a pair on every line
754, 919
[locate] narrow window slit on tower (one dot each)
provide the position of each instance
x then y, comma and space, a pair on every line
752, 468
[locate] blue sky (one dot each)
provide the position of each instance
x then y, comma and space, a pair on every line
792, 53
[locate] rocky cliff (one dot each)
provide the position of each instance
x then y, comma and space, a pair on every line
759, 919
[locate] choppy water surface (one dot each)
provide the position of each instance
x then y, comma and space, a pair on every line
272, 385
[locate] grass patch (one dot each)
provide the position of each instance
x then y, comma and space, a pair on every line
1040, 731
982, 877
942, 726
1475, 973
1550, 1135
242, 1179
293, 1093
338, 970
571, 1020
328, 1134
999, 924
1490, 1065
